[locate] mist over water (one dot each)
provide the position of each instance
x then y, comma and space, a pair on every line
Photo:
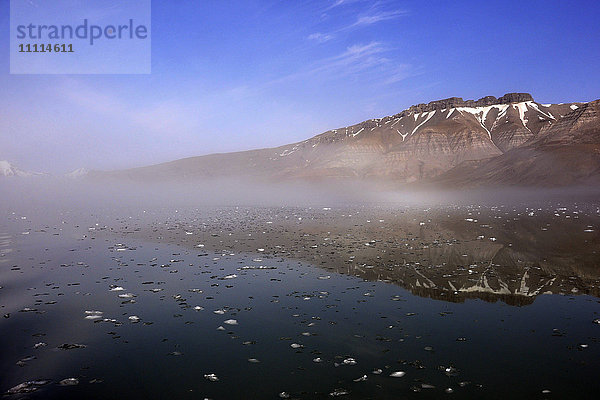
54, 193
238, 289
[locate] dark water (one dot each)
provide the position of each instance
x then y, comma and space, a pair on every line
270, 325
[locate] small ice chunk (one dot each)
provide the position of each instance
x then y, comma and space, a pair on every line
69, 382
70, 346
211, 377
93, 316
349, 361
398, 374
27, 387
339, 392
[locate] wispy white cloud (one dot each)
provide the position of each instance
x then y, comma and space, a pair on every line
368, 60
373, 18
320, 37
399, 73
338, 3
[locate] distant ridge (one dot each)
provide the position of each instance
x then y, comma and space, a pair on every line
453, 102
447, 142
9, 170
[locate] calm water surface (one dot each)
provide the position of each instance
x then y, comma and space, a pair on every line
94, 307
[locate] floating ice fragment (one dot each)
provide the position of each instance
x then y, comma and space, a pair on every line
126, 295
134, 319
231, 322
70, 346
361, 379
296, 346
69, 382
93, 314
198, 308
232, 276
117, 289
398, 374
449, 371
449, 390
27, 387
349, 361
284, 395
211, 377
23, 362
377, 371
339, 392
253, 360
317, 360
220, 311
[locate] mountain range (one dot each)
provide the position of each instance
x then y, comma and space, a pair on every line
511, 140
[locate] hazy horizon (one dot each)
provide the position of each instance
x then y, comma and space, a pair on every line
258, 74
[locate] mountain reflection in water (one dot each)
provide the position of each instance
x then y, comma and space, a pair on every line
511, 254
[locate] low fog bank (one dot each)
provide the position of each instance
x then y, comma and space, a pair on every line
82, 194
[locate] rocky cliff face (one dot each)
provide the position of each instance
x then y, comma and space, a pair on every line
454, 102
420, 143
565, 152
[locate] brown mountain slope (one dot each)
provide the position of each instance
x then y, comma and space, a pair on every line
564, 153
422, 142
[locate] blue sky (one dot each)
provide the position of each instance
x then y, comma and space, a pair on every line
237, 75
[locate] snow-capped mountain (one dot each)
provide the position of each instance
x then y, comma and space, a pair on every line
9, 170
420, 143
